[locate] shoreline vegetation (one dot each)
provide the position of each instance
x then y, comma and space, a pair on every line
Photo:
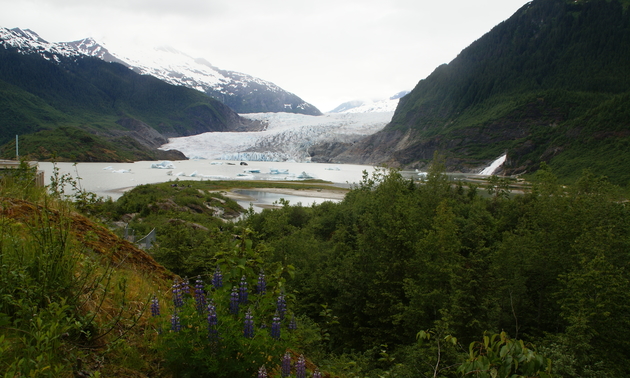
436, 277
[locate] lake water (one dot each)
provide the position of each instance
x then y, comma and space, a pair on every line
113, 179
261, 199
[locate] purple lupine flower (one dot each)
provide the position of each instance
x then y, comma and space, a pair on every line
317, 374
261, 286
242, 291
249, 325
155, 307
200, 295
234, 301
217, 278
293, 323
262, 372
178, 300
285, 369
213, 323
281, 306
300, 367
185, 286
175, 324
275, 327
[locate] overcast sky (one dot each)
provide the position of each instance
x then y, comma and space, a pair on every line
325, 51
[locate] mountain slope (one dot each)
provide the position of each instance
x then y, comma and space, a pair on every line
241, 92
45, 86
544, 85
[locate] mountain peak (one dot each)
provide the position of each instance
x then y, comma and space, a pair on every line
26, 41
29, 34
90, 47
243, 93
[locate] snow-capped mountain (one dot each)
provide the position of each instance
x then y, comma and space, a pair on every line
28, 42
373, 106
241, 92
286, 137
383, 106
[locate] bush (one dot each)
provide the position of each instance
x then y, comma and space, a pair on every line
228, 330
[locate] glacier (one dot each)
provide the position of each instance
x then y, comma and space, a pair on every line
286, 136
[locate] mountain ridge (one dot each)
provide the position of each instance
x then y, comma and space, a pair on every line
532, 87
46, 86
241, 92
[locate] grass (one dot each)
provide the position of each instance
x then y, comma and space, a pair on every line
71, 292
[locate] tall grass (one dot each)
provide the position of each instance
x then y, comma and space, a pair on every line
62, 305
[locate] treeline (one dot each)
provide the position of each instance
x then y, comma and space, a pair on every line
397, 261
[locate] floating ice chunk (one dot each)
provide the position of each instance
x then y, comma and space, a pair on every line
275, 171
163, 165
180, 174
194, 174
122, 171
305, 175
108, 168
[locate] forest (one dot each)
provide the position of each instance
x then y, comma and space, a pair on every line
403, 278
549, 84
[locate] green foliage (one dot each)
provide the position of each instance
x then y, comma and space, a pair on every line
52, 144
548, 84
194, 347
89, 97
498, 356
52, 288
391, 281
397, 256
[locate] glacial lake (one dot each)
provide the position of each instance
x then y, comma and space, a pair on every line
113, 179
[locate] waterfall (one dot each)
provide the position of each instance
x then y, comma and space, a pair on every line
489, 170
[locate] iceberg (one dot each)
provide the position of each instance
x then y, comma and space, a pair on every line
163, 165
305, 175
275, 171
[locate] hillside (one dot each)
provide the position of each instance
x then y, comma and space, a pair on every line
550, 84
241, 92
127, 114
